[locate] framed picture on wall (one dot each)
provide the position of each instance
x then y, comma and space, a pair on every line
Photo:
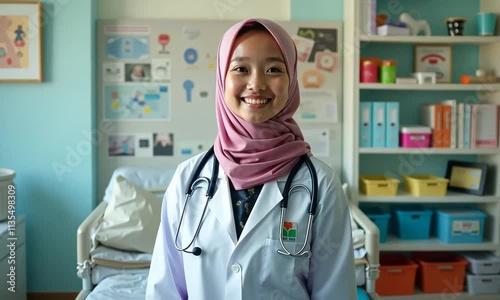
467, 177
20, 42
434, 58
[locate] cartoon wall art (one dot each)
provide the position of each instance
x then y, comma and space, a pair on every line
163, 40
160, 69
127, 47
113, 72
20, 42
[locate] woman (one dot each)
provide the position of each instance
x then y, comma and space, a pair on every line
234, 255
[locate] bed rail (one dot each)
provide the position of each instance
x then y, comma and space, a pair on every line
84, 244
371, 245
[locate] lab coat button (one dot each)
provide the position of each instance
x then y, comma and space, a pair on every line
235, 268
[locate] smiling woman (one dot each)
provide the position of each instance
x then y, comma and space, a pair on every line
237, 242
256, 84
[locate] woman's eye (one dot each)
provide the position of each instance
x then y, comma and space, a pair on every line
240, 69
274, 70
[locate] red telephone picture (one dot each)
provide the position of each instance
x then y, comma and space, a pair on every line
437, 59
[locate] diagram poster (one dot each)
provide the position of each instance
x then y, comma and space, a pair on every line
132, 102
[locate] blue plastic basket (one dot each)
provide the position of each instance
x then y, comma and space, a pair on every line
411, 222
460, 225
380, 218
362, 295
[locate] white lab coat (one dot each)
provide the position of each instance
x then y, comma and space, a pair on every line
249, 268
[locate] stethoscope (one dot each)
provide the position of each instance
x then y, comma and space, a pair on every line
195, 181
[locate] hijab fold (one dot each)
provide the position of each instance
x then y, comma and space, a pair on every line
255, 153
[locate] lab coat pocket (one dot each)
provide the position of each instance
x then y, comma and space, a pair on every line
282, 276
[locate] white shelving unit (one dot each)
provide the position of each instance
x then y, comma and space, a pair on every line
421, 296
489, 59
430, 87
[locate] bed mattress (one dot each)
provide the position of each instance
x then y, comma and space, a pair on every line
121, 286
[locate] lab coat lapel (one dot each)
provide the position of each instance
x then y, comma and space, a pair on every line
269, 197
222, 207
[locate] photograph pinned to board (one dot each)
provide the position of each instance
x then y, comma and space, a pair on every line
136, 72
318, 106
121, 145
137, 102
127, 47
163, 144
113, 72
436, 59
325, 39
304, 48
319, 139
143, 142
20, 42
192, 148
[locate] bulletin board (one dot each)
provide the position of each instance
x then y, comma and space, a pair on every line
156, 90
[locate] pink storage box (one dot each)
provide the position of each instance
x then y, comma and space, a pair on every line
415, 137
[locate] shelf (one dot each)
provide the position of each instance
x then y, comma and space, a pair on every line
431, 39
431, 87
430, 151
432, 244
422, 296
451, 197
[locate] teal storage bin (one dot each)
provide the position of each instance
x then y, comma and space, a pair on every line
411, 222
380, 218
460, 225
362, 295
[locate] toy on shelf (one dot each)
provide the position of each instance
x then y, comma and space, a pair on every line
481, 77
455, 26
416, 26
386, 26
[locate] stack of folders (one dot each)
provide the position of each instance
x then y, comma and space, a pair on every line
461, 125
379, 124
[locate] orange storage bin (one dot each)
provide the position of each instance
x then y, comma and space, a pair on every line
397, 275
440, 272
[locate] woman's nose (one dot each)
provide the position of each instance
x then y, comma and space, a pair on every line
256, 83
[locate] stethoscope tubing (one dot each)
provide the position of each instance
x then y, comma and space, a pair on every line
195, 181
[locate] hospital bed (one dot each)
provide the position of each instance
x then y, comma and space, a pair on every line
109, 273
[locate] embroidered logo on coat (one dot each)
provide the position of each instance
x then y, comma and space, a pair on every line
289, 232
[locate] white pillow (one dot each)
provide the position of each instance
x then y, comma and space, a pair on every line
131, 218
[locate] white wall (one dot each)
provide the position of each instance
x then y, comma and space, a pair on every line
195, 9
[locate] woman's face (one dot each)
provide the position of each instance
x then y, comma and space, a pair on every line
256, 86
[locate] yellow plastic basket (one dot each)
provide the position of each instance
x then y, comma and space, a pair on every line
426, 185
378, 185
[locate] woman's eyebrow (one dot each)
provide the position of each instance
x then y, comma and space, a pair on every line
240, 58
271, 59
275, 58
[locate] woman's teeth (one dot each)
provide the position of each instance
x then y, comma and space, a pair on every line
255, 101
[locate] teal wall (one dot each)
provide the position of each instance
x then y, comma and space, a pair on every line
317, 10
44, 124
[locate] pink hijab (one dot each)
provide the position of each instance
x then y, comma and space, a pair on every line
255, 153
